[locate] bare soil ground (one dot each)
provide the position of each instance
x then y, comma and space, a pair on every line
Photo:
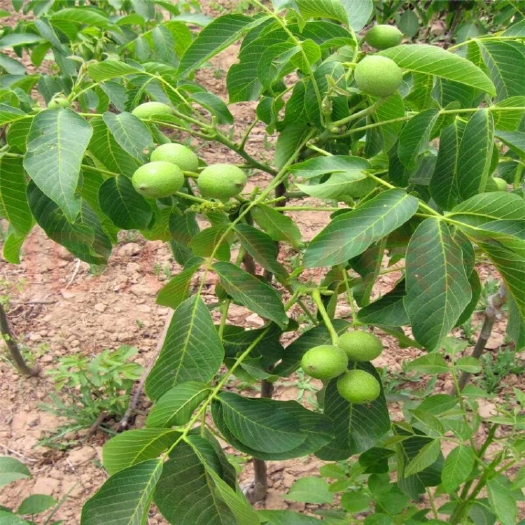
62, 307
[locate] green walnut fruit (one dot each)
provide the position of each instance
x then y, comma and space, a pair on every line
157, 180
378, 76
324, 362
221, 181
383, 36
177, 154
150, 109
358, 386
500, 183
360, 346
58, 102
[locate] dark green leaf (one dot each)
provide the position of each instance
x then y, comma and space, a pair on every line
425, 457
389, 310
177, 290
12, 246
433, 60
215, 37
125, 498
13, 200
79, 238
20, 39
252, 292
391, 109
176, 406
505, 120
278, 226
515, 140
219, 473
437, 287
415, 137
56, 145
215, 106
123, 205
444, 183
430, 476
259, 425
316, 428
100, 71
135, 446
506, 67
474, 154
132, 135
316, 336
350, 234
288, 142
487, 207
206, 242
475, 286
105, 149
192, 350
187, 492
261, 247
357, 427
86, 15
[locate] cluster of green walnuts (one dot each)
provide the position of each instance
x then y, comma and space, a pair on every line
330, 361
164, 174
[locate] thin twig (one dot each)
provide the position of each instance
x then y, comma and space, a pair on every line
140, 387
22, 303
15, 453
94, 427
75, 271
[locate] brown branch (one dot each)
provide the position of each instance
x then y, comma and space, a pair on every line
13, 349
492, 312
94, 427
123, 425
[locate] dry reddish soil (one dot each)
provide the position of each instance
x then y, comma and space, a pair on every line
61, 307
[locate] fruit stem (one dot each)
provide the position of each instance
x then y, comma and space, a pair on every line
307, 208
316, 296
363, 113
190, 197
